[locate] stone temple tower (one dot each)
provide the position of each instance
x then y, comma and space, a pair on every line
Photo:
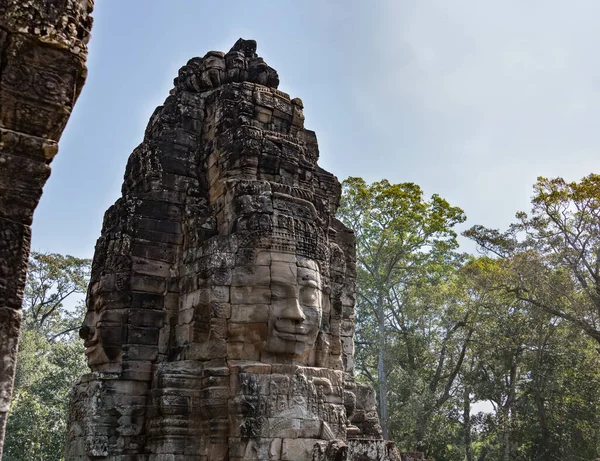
221, 306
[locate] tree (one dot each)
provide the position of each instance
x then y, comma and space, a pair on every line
403, 242
50, 357
551, 257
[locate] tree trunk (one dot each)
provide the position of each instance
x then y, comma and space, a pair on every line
506, 412
421, 430
545, 442
544, 445
467, 424
381, 374
504, 424
510, 410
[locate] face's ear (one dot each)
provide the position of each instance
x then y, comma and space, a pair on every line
112, 337
112, 330
322, 350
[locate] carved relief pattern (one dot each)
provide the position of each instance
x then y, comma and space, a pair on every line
42, 84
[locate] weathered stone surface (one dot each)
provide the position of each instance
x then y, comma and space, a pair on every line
42, 70
227, 228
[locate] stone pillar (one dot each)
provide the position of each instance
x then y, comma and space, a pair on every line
42, 70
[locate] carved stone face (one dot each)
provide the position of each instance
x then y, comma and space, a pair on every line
102, 332
296, 306
90, 332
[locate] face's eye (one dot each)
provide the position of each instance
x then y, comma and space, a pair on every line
309, 296
277, 292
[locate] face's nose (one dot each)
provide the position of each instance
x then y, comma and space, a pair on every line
293, 311
85, 332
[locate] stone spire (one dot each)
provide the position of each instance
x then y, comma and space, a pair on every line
221, 305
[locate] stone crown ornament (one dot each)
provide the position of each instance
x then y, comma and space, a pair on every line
221, 305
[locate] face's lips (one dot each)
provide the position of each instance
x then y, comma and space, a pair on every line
90, 344
291, 331
286, 336
299, 338
285, 326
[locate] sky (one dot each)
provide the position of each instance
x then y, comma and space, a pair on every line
472, 100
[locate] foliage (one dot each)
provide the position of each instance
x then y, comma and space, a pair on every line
50, 358
549, 263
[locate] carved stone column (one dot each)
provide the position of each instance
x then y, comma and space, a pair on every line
42, 70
